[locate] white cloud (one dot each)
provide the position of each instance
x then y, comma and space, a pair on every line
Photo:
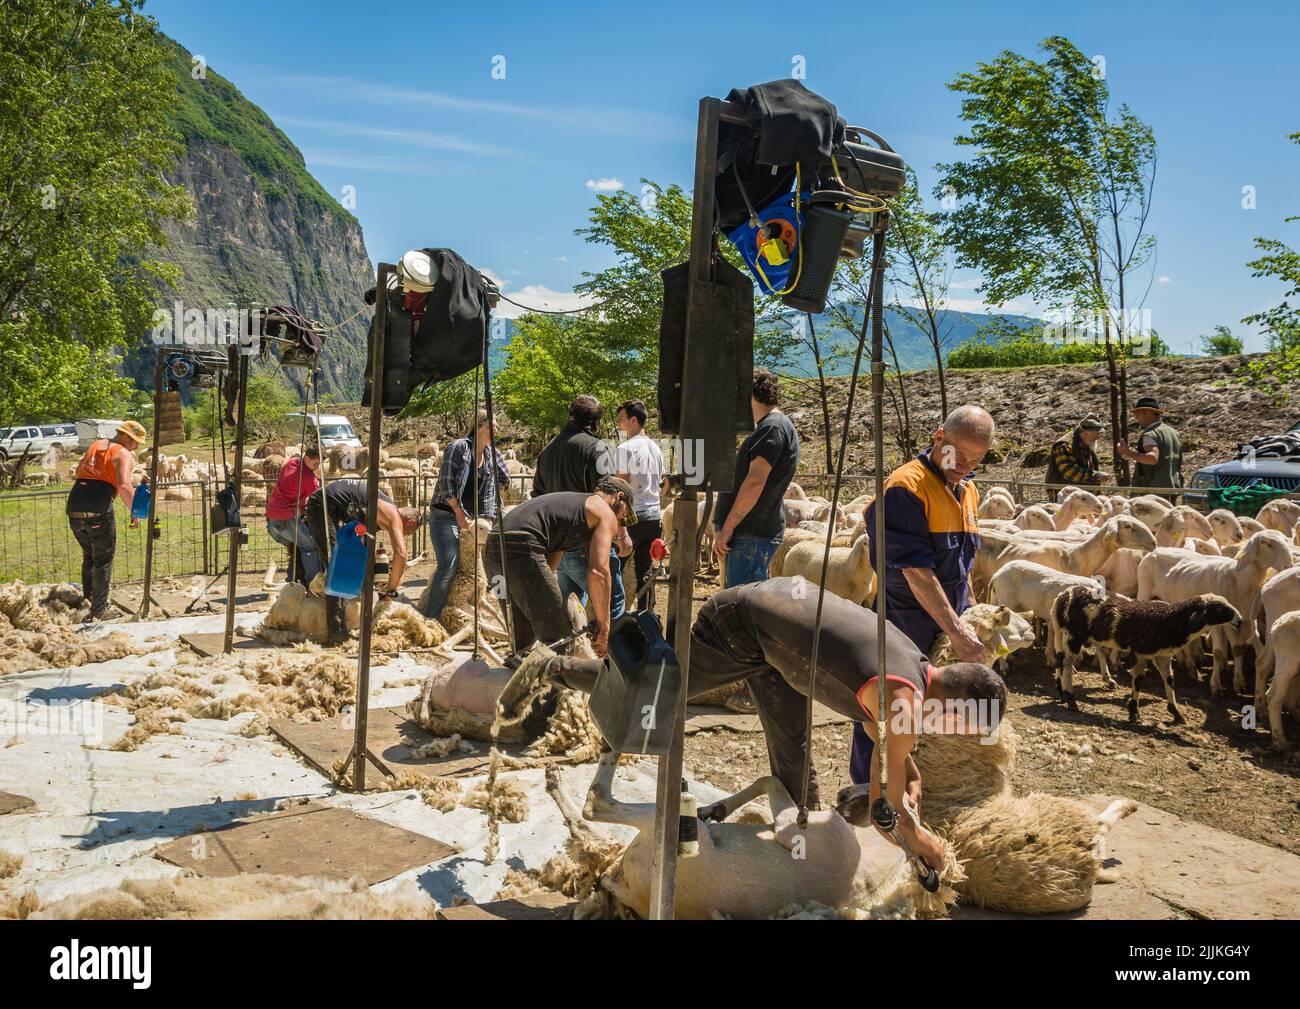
540, 297
1162, 281
415, 138
979, 306
604, 185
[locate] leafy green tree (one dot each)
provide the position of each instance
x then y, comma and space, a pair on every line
919, 273
612, 351
84, 143
1280, 323
1221, 343
1054, 199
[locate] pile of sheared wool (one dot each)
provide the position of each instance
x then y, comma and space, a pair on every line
244, 897
306, 684
299, 615
38, 630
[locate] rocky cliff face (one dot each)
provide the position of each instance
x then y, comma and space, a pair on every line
263, 229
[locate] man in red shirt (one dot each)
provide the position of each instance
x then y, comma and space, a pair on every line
284, 509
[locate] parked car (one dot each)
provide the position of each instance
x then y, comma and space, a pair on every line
335, 429
1274, 460
39, 439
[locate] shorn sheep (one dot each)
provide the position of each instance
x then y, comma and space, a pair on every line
1152, 631
1284, 639
1082, 557
848, 574
1174, 575
1280, 515
1030, 588
1279, 596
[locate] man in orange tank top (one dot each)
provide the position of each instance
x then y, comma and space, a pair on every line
103, 474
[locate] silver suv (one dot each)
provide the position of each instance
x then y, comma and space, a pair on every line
36, 440
1272, 460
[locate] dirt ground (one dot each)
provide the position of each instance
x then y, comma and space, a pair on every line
1208, 770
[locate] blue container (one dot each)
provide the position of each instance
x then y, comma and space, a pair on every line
773, 278
140, 502
347, 570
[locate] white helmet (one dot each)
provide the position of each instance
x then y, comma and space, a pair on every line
416, 271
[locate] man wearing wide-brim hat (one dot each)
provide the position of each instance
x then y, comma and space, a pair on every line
1074, 457
1158, 459
103, 474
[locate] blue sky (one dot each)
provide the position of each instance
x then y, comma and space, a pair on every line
407, 110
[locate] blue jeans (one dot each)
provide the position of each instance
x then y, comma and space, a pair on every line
572, 575
444, 534
281, 530
749, 558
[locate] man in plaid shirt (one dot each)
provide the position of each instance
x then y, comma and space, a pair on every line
1073, 459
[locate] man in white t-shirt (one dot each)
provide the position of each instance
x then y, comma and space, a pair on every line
639, 462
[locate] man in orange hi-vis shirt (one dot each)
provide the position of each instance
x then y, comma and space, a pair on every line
103, 474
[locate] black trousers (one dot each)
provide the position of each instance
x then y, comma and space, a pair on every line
645, 532
724, 650
537, 610
336, 620
97, 538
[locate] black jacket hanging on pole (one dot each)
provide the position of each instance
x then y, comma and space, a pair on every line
447, 342
787, 124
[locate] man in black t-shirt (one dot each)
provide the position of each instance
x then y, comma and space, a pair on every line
345, 500
763, 633
750, 519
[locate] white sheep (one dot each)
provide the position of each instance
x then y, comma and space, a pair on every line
1284, 637
1149, 509
1280, 515
1027, 587
1225, 528
997, 506
1082, 557
1174, 575
1035, 517
1000, 630
848, 574
1277, 597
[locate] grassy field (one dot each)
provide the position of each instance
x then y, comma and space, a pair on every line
37, 545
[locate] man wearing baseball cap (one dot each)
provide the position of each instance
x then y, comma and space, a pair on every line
1158, 460
103, 474
535, 536
1074, 458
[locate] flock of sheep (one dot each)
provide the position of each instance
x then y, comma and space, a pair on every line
1134, 579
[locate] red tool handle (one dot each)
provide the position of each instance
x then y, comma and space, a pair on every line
658, 550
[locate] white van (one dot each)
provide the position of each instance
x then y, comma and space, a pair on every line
37, 440
335, 429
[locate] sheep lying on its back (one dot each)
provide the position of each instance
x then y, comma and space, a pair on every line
1151, 630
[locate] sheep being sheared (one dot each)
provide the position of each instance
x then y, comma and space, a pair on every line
752, 870
299, 615
1033, 854
1153, 631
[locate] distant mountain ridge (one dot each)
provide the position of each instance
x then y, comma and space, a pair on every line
264, 230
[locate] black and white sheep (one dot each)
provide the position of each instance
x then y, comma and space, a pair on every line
1151, 631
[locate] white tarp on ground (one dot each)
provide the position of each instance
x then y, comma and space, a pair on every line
100, 813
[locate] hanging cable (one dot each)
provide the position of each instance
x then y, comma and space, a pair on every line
877, 264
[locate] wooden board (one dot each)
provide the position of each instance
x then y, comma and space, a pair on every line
535, 907
171, 426
11, 803
307, 840
391, 736
212, 644
701, 717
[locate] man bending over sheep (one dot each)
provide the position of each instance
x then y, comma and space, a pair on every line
537, 535
345, 500
762, 633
